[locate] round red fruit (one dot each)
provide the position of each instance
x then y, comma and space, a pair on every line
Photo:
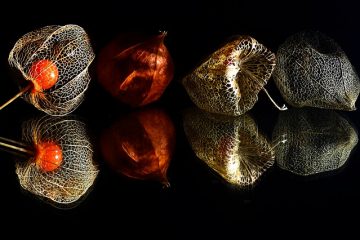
44, 74
48, 156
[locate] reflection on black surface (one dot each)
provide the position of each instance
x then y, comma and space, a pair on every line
232, 146
317, 141
140, 145
60, 169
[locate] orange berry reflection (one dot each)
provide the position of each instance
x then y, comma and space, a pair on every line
135, 69
140, 145
48, 156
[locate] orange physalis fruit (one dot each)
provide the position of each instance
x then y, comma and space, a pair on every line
48, 156
44, 74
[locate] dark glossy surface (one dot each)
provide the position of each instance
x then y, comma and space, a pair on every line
198, 199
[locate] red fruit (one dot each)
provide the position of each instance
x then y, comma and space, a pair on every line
44, 74
135, 69
48, 156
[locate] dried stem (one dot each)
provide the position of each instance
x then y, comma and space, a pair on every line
25, 89
280, 140
15, 145
283, 108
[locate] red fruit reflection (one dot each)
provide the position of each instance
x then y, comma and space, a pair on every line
135, 69
140, 145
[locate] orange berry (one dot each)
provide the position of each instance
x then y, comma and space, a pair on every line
44, 74
48, 156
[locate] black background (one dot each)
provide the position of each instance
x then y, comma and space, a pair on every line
198, 201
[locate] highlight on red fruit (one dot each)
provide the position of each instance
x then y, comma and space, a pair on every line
44, 74
48, 156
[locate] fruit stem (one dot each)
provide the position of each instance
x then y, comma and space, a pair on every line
15, 145
280, 140
25, 89
165, 184
283, 108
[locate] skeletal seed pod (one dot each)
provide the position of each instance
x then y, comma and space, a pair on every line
318, 140
54, 61
62, 168
229, 80
231, 146
312, 70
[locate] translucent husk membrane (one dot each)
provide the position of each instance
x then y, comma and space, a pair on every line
231, 146
312, 70
77, 172
229, 80
318, 140
68, 47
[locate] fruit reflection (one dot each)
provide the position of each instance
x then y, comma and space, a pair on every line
140, 145
317, 141
232, 146
59, 165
